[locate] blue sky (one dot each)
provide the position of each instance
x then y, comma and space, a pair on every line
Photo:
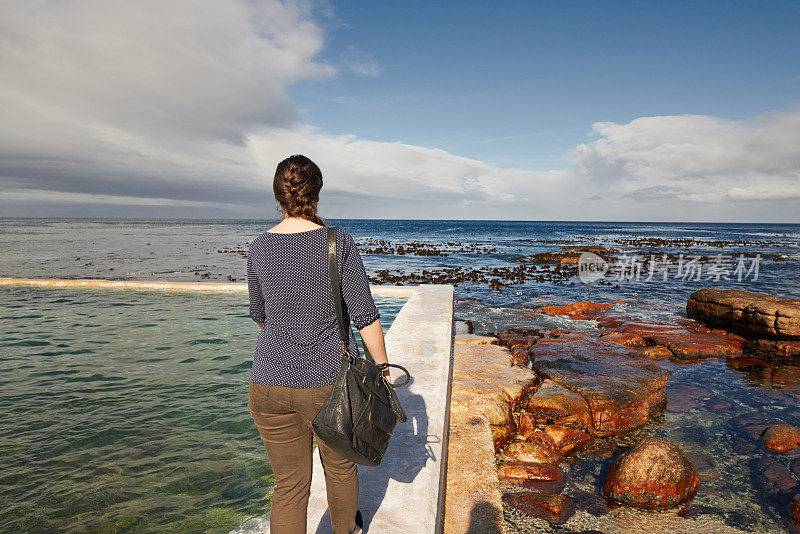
633, 111
520, 86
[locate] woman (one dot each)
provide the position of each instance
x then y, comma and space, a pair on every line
298, 353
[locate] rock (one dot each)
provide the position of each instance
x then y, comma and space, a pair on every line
529, 452
474, 339
654, 475
552, 402
683, 397
794, 509
554, 508
621, 390
528, 334
489, 363
519, 356
501, 435
543, 478
576, 309
752, 313
567, 440
657, 353
781, 438
475, 396
462, 327
685, 339
527, 425
689, 345
778, 476
628, 339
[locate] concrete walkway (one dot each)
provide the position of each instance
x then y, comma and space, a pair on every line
405, 494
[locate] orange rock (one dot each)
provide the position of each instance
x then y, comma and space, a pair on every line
501, 435
566, 439
576, 308
527, 425
555, 403
522, 343
655, 474
657, 353
781, 438
519, 356
794, 509
689, 345
544, 478
627, 339
529, 452
554, 508
755, 313
621, 390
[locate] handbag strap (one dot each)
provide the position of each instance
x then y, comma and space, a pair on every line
336, 291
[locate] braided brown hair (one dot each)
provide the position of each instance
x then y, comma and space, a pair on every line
296, 187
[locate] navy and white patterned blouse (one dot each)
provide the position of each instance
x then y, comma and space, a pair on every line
290, 293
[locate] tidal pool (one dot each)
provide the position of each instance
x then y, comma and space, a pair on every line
127, 411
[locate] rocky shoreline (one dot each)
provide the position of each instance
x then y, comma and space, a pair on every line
568, 392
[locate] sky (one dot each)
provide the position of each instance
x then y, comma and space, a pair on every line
595, 111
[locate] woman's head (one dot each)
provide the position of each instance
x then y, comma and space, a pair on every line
296, 187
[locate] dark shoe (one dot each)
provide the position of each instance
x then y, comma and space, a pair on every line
359, 523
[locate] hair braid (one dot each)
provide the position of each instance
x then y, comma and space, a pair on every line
297, 183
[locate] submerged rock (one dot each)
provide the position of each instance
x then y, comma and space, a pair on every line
567, 440
654, 475
544, 478
534, 451
553, 403
622, 391
794, 509
554, 508
576, 309
753, 313
781, 438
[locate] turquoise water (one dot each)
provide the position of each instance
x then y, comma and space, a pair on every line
126, 411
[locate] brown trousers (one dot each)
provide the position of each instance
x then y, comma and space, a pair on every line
283, 417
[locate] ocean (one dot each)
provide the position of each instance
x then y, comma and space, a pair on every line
126, 410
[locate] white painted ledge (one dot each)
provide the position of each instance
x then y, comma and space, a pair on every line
405, 494
380, 290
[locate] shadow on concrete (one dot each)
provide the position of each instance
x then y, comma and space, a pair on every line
408, 452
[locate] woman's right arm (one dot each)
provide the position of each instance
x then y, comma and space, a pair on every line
256, 297
360, 305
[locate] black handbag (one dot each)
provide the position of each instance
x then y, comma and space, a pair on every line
358, 417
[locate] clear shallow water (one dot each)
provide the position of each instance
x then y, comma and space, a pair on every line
127, 411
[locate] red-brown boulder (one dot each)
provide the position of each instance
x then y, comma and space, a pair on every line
654, 475
501, 435
622, 390
519, 356
781, 438
576, 309
566, 439
551, 402
529, 452
754, 313
544, 478
554, 508
794, 509
527, 425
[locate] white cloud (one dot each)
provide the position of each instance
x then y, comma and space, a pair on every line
695, 158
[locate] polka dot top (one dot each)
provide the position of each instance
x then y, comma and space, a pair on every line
290, 294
